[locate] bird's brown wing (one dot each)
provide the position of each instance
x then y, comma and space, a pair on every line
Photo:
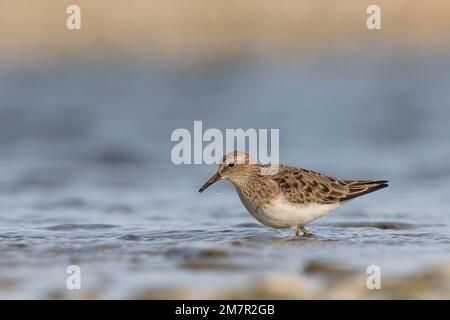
305, 186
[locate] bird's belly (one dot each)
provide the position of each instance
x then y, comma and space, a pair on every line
280, 213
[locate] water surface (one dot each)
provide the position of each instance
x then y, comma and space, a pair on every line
87, 179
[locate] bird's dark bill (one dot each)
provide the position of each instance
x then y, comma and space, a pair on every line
213, 179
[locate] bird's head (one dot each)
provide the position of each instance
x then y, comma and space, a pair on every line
235, 166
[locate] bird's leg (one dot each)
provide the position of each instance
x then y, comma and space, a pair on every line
296, 230
305, 233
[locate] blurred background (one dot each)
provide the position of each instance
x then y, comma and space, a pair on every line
86, 118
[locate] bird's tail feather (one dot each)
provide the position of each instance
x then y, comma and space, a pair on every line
359, 188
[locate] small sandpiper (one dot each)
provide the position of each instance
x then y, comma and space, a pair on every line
291, 197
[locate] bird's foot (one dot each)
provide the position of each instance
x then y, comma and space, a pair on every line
306, 233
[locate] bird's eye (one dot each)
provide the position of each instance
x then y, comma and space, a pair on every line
231, 165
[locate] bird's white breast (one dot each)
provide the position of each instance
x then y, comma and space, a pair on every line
280, 213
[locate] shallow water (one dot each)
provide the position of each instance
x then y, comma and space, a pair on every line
87, 177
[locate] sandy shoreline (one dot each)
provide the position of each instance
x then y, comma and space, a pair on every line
214, 29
